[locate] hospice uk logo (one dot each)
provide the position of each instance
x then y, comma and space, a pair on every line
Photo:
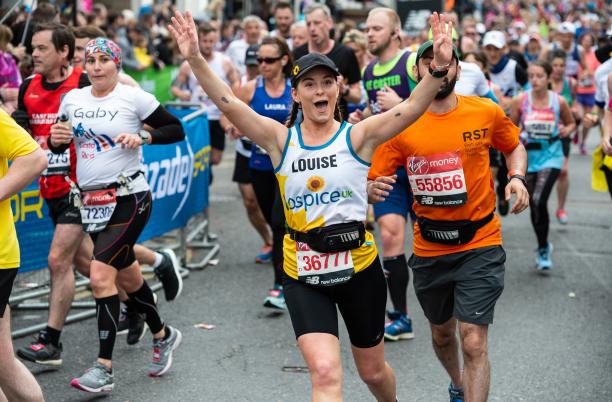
172, 176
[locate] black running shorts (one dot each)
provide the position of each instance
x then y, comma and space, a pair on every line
115, 244
61, 211
361, 301
242, 172
463, 285
217, 135
7, 277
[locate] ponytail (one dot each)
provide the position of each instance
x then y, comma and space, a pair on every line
295, 107
337, 112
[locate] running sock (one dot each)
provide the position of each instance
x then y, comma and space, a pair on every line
53, 335
158, 260
144, 302
396, 272
107, 314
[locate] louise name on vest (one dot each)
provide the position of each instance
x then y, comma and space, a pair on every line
321, 162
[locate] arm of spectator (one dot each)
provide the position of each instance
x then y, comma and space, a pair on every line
182, 78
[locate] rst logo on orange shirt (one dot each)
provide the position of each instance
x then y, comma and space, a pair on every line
437, 180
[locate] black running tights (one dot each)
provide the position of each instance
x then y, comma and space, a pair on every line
539, 185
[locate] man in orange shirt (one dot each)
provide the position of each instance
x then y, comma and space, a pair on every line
458, 261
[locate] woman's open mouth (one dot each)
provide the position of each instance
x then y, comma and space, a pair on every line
321, 106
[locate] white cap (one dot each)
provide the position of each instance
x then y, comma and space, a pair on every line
495, 38
567, 27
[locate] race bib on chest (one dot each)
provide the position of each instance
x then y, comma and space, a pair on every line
540, 124
323, 269
58, 164
437, 180
97, 207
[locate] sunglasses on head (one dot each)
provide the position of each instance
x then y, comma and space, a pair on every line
268, 60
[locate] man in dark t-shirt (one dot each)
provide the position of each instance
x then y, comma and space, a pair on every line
319, 23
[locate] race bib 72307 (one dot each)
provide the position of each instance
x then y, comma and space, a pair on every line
437, 180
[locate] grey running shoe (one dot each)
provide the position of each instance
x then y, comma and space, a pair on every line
162, 352
169, 274
96, 379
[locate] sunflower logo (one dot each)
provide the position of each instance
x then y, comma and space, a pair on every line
296, 70
315, 183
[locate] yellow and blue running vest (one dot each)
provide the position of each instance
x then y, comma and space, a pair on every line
322, 186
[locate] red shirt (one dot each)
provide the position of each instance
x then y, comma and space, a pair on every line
42, 106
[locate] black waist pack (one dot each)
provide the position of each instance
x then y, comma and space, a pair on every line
333, 238
538, 145
451, 233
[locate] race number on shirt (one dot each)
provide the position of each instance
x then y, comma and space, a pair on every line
97, 208
323, 269
437, 180
540, 124
58, 164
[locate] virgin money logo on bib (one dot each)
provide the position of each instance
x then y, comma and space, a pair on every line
418, 165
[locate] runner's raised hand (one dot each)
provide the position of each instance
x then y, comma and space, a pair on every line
184, 31
442, 39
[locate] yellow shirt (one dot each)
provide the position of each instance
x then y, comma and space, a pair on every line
14, 142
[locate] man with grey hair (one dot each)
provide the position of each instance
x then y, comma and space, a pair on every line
319, 23
251, 26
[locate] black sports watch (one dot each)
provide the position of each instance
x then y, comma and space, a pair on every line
520, 177
438, 72
144, 136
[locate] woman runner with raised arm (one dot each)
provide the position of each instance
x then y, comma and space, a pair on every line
321, 166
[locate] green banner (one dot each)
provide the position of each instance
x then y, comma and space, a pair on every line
157, 82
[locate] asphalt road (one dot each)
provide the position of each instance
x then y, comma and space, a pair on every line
551, 340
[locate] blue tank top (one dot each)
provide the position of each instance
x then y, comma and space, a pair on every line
274, 108
396, 78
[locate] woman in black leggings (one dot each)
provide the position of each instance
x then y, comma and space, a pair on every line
544, 118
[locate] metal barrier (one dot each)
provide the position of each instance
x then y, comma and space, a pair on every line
193, 236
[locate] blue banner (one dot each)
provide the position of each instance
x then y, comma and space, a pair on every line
178, 176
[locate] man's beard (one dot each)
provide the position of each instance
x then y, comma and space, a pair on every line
380, 49
446, 89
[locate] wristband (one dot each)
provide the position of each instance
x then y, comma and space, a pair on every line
520, 177
438, 72
144, 136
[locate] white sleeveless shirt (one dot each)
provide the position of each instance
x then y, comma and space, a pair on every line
198, 94
323, 186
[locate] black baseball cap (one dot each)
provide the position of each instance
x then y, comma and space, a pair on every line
250, 58
429, 45
306, 63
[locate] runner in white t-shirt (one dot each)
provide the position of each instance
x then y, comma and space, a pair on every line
114, 197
